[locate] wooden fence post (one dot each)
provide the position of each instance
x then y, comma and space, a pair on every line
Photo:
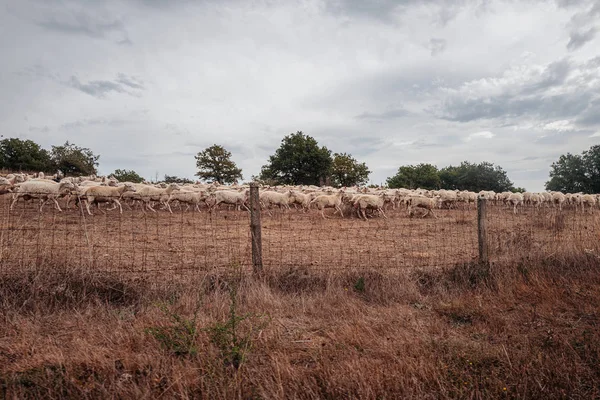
482, 229
255, 228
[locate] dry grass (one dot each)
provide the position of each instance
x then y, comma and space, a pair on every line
523, 331
140, 306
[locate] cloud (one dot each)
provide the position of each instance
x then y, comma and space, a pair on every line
100, 88
437, 46
579, 38
477, 135
146, 83
386, 115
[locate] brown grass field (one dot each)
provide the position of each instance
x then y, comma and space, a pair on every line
165, 306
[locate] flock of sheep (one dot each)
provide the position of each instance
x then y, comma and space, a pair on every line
93, 190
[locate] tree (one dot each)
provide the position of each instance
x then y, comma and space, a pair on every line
74, 160
298, 161
475, 177
176, 179
573, 173
346, 171
24, 155
424, 176
127, 176
214, 164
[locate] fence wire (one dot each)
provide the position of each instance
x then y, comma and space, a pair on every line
174, 245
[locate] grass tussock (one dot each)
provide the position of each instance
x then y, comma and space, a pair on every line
524, 330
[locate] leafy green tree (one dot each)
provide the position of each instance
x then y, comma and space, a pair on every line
214, 164
127, 176
24, 155
346, 171
573, 173
176, 179
74, 160
424, 176
518, 190
475, 177
298, 161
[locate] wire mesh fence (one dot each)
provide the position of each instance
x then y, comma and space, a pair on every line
173, 245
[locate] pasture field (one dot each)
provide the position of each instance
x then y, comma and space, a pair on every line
144, 305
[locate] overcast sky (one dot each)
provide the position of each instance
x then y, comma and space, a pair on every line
148, 84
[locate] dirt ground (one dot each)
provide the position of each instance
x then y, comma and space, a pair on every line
184, 242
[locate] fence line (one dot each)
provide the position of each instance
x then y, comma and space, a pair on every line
175, 245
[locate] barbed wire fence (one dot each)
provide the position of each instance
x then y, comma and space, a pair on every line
174, 246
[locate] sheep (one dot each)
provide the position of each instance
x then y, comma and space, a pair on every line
106, 194
588, 199
190, 198
368, 201
558, 198
269, 198
329, 201
44, 190
423, 202
151, 193
239, 199
515, 199
303, 199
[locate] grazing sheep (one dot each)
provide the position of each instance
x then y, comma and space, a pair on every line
43, 190
516, 199
588, 199
558, 198
329, 201
423, 202
106, 194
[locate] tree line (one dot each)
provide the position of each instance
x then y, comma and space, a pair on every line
300, 160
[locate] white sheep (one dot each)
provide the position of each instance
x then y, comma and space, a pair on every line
368, 201
515, 199
43, 190
558, 198
151, 193
329, 201
239, 199
194, 198
106, 194
269, 198
426, 203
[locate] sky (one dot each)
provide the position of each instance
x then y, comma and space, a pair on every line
147, 84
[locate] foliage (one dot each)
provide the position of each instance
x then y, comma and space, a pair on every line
127, 176
24, 155
180, 336
74, 160
176, 179
298, 161
346, 171
475, 177
518, 190
576, 173
229, 338
424, 176
214, 164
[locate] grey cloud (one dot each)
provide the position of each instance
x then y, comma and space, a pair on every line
100, 88
130, 81
386, 115
81, 24
533, 99
591, 116
82, 123
437, 46
578, 39
560, 106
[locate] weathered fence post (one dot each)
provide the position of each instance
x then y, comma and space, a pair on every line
255, 228
482, 229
